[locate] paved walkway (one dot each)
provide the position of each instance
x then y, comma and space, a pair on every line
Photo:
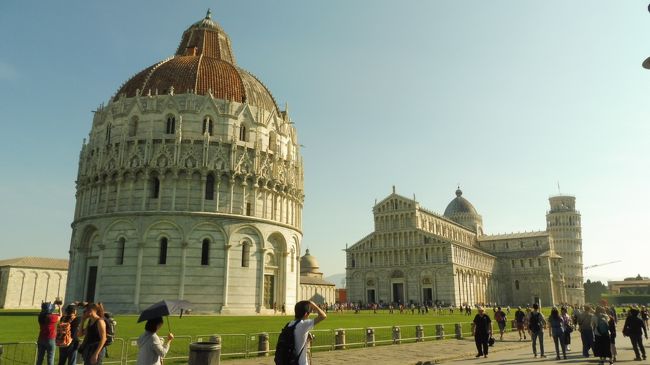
509, 351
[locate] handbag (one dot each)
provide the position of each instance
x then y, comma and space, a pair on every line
491, 341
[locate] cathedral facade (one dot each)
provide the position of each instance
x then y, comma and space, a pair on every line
417, 256
190, 186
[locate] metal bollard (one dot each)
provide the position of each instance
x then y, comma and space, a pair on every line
459, 331
339, 340
440, 332
215, 339
397, 335
419, 333
370, 337
263, 345
513, 324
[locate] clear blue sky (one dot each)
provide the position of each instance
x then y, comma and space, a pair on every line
504, 97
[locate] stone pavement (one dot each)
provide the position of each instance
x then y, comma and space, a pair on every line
434, 351
452, 351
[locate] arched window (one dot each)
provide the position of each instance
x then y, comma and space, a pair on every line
517, 284
209, 187
207, 126
245, 254
155, 188
353, 263
242, 133
108, 133
171, 125
205, 252
121, 243
162, 255
248, 209
133, 127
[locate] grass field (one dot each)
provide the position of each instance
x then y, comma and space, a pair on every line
23, 326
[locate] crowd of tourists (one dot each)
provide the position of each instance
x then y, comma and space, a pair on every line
87, 330
597, 329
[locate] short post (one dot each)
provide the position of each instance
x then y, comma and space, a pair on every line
419, 333
459, 331
370, 337
513, 324
397, 335
215, 339
263, 345
440, 332
339, 340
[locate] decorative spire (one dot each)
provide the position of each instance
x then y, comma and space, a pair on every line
459, 192
307, 252
208, 14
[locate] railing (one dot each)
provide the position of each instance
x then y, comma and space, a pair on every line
239, 345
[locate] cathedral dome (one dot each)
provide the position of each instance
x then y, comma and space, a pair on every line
203, 64
459, 205
308, 264
461, 211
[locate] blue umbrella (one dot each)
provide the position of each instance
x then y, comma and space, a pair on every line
163, 309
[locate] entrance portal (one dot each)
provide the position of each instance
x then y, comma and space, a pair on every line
371, 296
91, 284
398, 293
269, 291
427, 295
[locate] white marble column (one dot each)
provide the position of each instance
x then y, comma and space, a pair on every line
226, 271
181, 287
138, 276
100, 264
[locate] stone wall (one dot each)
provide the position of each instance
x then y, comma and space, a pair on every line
26, 288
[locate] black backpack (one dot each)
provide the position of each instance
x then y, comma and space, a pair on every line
110, 328
285, 350
534, 322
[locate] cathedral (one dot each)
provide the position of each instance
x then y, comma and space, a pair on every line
190, 186
417, 256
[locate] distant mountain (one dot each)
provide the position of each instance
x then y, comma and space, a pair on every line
338, 279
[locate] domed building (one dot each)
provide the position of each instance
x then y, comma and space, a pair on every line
312, 285
190, 186
417, 256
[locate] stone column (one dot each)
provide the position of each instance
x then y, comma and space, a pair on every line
181, 287
144, 191
174, 183
100, 263
226, 269
232, 194
261, 253
161, 179
118, 191
138, 277
108, 192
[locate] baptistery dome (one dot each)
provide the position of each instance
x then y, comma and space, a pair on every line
190, 186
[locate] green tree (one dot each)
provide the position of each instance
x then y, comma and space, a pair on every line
593, 291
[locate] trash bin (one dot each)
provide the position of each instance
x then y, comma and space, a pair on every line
205, 353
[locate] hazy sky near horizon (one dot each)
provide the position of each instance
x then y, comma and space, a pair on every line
507, 98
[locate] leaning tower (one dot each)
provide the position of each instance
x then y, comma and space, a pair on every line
190, 186
563, 224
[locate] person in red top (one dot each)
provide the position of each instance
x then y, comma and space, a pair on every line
47, 321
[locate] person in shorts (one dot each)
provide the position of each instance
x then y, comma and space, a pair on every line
500, 318
520, 321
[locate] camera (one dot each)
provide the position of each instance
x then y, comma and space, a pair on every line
58, 301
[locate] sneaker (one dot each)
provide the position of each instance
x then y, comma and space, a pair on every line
479, 355
564, 357
542, 356
535, 355
485, 356
557, 357
637, 359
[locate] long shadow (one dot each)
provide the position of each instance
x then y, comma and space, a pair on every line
19, 314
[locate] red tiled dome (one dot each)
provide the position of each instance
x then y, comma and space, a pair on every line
203, 63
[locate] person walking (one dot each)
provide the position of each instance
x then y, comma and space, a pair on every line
520, 319
151, 349
93, 351
644, 315
557, 325
536, 325
632, 328
500, 318
568, 327
585, 323
47, 321
612, 332
482, 330
68, 354
602, 345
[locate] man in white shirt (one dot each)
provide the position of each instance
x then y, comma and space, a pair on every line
303, 325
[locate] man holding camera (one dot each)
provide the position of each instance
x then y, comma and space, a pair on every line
47, 321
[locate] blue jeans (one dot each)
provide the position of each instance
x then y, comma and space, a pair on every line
46, 346
68, 354
587, 336
533, 337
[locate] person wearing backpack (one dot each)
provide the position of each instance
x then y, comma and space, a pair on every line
633, 328
602, 346
585, 322
47, 332
536, 327
292, 343
67, 336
